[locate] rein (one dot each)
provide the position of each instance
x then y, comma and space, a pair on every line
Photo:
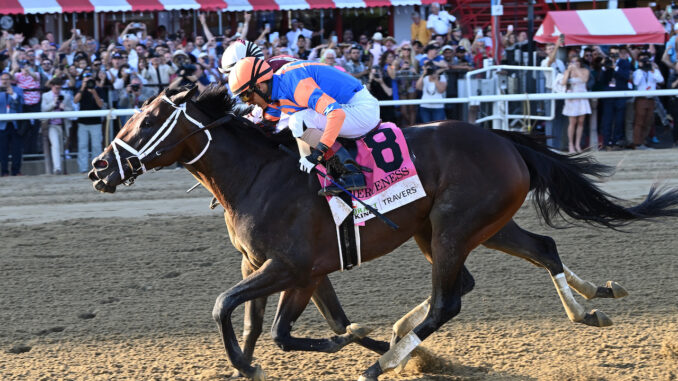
135, 161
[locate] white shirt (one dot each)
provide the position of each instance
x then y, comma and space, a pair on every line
558, 65
440, 22
377, 50
429, 91
293, 35
647, 80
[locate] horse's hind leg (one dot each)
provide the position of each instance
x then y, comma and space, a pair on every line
292, 304
590, 291
541, 251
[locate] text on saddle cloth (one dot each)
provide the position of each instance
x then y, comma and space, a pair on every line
393, 181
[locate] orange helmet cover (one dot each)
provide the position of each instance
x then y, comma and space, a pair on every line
248, 72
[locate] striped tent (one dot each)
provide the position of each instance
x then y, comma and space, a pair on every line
602, 27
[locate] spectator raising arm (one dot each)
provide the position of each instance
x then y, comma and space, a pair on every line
205, 29
552, 55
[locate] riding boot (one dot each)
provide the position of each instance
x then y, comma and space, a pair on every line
350, 177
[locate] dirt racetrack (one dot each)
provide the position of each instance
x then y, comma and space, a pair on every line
99, 287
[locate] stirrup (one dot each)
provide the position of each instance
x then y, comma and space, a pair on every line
350, 181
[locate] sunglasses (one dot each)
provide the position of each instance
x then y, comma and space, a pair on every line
406, 49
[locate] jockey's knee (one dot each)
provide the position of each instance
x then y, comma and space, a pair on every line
312, 136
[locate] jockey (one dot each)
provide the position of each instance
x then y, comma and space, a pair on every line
323, 103
241, 49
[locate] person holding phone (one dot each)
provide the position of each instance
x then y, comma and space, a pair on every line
56, 100
575, 78
27, 77
89, 97
433, 84
382, 85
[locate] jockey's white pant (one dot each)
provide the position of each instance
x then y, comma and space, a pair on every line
362, 115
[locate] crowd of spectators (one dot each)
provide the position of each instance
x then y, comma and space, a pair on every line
125, 69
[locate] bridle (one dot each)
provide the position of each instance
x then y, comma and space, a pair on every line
134, 162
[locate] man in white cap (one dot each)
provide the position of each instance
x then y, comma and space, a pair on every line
439, 22
377, 48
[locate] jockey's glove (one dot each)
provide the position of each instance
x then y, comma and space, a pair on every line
307, 163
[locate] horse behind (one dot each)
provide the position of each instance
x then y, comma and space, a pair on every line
475, 181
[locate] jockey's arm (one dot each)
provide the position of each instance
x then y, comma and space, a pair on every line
308, 94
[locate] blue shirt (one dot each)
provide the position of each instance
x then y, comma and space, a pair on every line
671, 49
9, 105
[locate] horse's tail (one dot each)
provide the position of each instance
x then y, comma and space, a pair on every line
561, 187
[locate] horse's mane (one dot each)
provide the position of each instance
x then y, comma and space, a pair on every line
215, 102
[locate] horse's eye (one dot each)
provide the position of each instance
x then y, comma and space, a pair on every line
146, 124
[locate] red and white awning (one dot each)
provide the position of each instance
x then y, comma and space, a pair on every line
69, 6
602, 27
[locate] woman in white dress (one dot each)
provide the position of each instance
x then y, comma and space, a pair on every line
575, 78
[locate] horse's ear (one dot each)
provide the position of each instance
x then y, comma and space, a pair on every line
185, 96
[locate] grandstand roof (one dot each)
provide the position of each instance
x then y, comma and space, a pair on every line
68, 6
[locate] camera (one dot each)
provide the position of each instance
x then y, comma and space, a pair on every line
187, 70
23, 63
429, 68
377, 71
607, 62
60, 98
135, 87
645, 64
90, 84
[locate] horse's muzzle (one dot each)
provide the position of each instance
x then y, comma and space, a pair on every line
101, 186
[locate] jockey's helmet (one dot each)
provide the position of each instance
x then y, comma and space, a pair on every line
247, 73
237, 51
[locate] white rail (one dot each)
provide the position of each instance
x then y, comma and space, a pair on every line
479, 98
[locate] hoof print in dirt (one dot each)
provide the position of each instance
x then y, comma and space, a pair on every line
108, 300
19, 348
87, 315
171, 274
47, 331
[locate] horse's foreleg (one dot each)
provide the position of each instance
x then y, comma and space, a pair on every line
325, 299
449, 250
273, 276
542, 251
253, 319
409, 321
292, 304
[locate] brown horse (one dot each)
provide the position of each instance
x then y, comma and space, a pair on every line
475, 180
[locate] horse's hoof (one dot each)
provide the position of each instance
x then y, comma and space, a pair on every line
358, 330
237, 374
365, 378
402, 364
617, 290
259, 374
597, 318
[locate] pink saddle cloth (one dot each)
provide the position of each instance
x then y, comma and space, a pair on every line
393, 181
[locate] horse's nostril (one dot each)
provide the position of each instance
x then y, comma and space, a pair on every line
93, 176
100, 164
